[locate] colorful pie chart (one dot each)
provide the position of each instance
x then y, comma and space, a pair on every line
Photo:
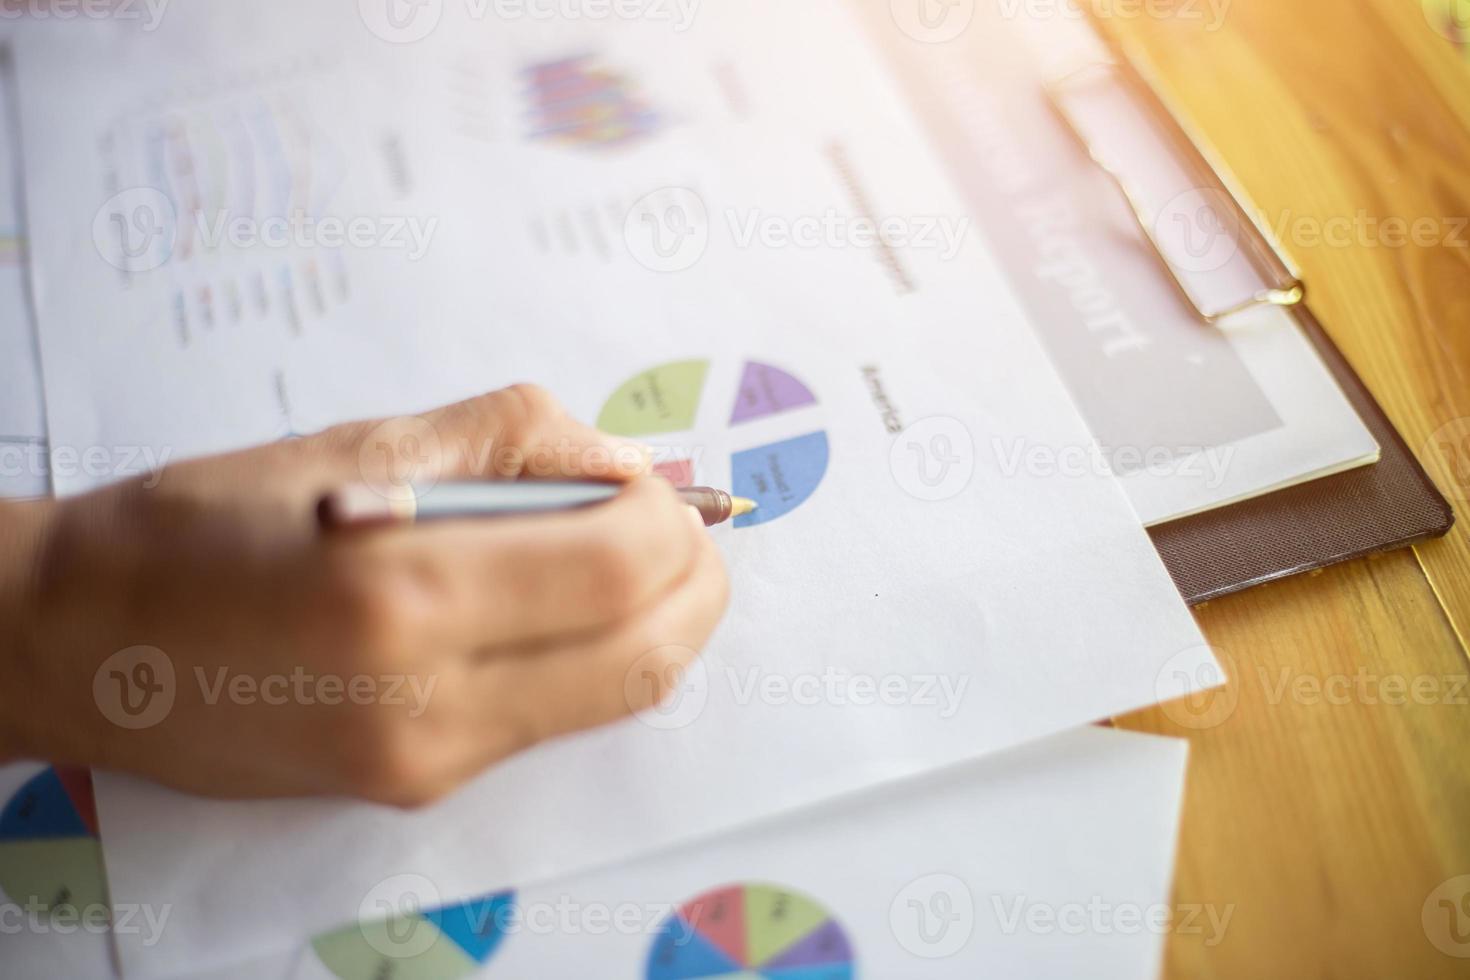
445, 943
50, 854
750, 931
779, 466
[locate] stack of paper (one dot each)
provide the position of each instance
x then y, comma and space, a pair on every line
759, 230
1052, 860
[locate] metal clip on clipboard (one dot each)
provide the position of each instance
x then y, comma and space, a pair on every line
1187, 205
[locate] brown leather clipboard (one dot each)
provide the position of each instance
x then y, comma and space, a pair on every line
1389, 504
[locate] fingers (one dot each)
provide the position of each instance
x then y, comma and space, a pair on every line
481, 713
527, 433
603, 677
522, 580
548, 624
520, 431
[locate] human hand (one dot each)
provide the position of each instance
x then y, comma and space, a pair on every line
467, 640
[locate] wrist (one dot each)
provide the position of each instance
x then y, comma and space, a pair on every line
24, 528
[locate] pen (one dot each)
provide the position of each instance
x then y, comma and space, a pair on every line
358, 505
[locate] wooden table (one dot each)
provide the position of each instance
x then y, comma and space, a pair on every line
1319, 812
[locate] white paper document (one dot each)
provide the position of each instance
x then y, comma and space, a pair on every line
754, 263
981, 867
985, 869
22, 413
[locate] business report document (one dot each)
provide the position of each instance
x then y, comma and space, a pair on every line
963, 868
954, 873
749, 258
23, 451
1188, 415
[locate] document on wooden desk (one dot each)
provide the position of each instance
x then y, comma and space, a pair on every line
758, 266
982, 869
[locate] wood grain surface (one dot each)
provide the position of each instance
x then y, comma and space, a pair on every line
1328, 808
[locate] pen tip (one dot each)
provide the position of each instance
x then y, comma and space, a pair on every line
741, 505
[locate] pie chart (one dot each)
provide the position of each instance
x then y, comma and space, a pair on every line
446, 943
748, 932
765, 413
50, 854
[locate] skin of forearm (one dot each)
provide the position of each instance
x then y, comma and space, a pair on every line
23, 529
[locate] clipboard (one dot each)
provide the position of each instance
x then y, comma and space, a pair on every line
1157, 162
